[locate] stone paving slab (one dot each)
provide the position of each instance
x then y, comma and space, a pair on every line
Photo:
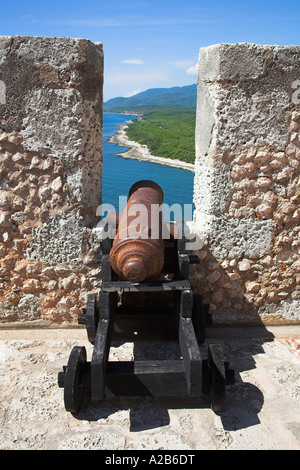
262, 409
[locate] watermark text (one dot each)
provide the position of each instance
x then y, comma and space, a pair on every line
139, 221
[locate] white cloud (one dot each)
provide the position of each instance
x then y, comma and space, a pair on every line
129, 21
182, 64
193, 70
133, 61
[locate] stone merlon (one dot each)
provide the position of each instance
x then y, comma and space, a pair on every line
246, 190
51, 99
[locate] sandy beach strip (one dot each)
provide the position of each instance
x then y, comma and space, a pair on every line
141, 152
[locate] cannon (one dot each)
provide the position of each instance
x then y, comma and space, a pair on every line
139, 258
145, 290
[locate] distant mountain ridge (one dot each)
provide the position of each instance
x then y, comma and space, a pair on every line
185, 96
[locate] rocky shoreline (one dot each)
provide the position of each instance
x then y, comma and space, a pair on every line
141, 152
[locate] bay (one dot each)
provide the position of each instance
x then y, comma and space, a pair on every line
119, 174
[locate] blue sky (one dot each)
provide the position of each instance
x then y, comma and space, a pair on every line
153, 43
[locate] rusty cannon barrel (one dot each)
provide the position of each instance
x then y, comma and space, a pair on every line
137, 253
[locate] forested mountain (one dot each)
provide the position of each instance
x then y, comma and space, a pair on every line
155, 98
167, 120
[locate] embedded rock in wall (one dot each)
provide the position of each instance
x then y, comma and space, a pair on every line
50, 175
246, 191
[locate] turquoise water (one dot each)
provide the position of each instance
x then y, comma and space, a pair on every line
119, 174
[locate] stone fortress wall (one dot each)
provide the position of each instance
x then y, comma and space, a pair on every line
50, 175
246, 191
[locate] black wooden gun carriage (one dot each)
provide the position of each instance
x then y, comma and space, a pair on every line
162, 304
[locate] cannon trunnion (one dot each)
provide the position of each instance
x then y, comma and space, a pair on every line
145, 292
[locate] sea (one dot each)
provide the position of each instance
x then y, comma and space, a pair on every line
119, 174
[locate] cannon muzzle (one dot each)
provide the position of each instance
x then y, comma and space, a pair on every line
138, 249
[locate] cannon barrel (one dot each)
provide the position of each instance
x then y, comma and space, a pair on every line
138, 250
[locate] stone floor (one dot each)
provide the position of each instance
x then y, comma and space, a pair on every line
262, 409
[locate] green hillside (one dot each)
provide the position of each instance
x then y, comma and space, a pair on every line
168, 120
155, 98
167, 132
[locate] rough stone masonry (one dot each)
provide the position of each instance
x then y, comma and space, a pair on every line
50, 175
246, 191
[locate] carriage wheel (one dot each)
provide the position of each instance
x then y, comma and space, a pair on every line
216, 365
73, 379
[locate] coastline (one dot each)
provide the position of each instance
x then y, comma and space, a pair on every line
141, 152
